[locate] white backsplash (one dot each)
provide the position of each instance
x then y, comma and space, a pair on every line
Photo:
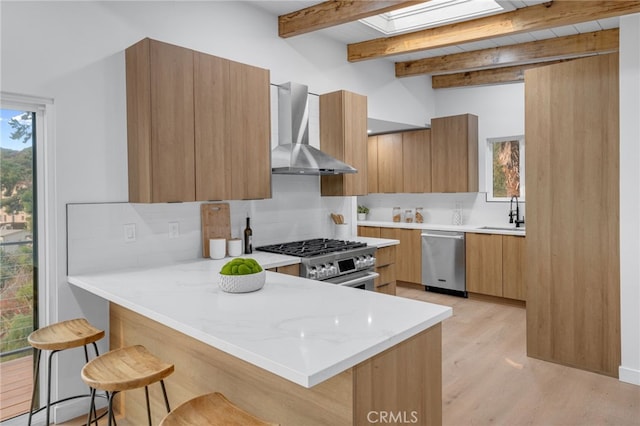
296, 211
439, 208
96, 234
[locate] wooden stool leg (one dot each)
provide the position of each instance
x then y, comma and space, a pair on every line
36, 376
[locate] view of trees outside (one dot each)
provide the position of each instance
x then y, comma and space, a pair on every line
16, 232
506, 169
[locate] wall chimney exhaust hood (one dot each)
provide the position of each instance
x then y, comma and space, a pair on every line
294, 155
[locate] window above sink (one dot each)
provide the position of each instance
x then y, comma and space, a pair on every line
505, 168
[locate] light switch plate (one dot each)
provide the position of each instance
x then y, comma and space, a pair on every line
174, 229
130, 232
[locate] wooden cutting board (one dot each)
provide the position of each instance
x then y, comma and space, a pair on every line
216, 223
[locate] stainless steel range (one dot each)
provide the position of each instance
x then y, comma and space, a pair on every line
346, 263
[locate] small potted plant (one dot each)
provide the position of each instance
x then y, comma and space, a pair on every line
362, 212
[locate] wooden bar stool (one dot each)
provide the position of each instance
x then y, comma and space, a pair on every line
128, 368
211, 409
55, 338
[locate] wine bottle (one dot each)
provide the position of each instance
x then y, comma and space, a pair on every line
248, 245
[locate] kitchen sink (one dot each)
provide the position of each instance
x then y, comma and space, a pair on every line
503, 228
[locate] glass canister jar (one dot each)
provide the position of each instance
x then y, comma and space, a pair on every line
396, 214
408, 216
419, 215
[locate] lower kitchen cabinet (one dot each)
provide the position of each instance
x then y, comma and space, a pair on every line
408, 254
495, 265
386, 267
484, 264
288, 270
513, 263
385, 262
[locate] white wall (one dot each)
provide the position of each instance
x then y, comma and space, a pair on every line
439, 208
500, 111
73, 52
630, 197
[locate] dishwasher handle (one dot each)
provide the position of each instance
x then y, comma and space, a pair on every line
451, 237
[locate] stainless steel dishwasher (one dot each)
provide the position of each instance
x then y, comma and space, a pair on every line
443, 262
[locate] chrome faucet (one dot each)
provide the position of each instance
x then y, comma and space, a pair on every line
515, 213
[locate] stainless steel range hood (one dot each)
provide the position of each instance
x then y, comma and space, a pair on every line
294, 155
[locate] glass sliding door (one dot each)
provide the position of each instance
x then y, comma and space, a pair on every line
18, 259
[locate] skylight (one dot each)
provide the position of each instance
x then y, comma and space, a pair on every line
432, 14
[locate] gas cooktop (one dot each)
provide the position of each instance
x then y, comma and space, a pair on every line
314, 247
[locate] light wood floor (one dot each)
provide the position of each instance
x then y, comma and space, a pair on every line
489, 380
16, 386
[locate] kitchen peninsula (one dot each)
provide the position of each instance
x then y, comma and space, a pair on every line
295, 352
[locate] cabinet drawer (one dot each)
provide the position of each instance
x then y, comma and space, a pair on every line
288, 270
386, 255
387, 289
387, 274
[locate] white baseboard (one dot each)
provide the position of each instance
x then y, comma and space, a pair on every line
75, 408
629, 375
60, 413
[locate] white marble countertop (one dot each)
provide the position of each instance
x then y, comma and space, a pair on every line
305, 331
480, 228
269, 260
376, 242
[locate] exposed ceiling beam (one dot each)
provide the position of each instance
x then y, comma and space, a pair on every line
483, 77
535, 51
530, 18
334, 12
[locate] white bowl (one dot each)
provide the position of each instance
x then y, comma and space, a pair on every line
242, 283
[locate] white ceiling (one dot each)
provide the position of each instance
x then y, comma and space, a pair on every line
355, 31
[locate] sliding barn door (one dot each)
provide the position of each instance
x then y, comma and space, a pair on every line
572, 244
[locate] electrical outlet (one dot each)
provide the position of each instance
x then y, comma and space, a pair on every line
174, 229
130, 232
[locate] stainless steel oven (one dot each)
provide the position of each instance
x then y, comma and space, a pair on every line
363, 280
345, 263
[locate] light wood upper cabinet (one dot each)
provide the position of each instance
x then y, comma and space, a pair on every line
454, 153
250, 127
400, 162
390, 179
160, 123
232, 130
213, 180
416, 161
198, 126
343, 135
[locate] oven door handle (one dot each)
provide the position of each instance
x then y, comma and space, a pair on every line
356, 281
